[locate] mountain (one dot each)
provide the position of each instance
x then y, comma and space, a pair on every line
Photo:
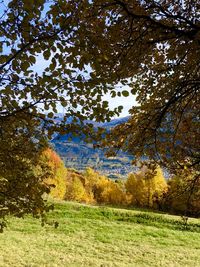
78, 154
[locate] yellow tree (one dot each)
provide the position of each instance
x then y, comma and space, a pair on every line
113, 194
78, 192
76, 187
146, 186
92, 178
95, 185
103, 190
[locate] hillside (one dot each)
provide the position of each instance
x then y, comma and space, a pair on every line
101, 236
78, 154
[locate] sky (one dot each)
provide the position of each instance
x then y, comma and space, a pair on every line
126, 102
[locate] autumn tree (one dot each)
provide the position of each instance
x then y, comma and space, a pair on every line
112, 193
103, 189
31, 94
76, 189
183, 195
57, 177
92, 187
22, 170
154, 47
95, 184
50, 32
146, 187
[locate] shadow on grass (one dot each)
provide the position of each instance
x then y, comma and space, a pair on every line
160, 221
143, 218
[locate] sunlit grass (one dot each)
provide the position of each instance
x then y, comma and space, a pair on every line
100, 236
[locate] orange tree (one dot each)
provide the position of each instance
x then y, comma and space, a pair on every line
57, 177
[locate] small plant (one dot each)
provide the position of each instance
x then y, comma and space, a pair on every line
185, 220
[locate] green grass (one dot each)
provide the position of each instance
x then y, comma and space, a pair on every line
100, 236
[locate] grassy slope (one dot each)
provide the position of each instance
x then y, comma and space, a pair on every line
92, 236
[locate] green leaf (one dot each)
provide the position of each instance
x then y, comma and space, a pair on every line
134, 91
125, 93
50, 114
46, 54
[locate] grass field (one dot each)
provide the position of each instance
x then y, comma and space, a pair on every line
99, 236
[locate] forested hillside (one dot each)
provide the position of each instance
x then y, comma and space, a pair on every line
78, 154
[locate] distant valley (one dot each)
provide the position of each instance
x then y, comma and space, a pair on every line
78, 154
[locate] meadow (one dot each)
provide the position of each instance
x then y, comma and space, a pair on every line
100, 236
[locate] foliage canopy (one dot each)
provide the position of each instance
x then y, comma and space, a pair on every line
156, 46
30, 97
90, 46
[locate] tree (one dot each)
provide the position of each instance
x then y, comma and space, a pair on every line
92, 187
58, 173
146, 187
154, 47
22, 170
30, 97
183, 194
113, 194
77, 191
76, 187
103, 189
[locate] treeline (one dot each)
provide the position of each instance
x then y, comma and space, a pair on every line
146, 188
